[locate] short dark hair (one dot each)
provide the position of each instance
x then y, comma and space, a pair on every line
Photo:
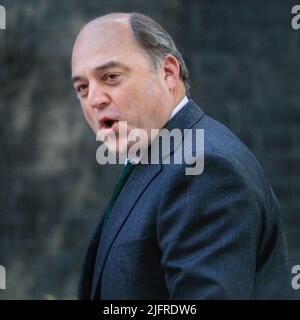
157, 43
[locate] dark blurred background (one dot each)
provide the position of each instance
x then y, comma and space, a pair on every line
244, 64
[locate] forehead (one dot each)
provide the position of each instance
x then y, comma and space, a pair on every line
106, 40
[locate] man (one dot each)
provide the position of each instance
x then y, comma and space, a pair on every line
166, 234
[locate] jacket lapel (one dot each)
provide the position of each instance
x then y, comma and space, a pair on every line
122, 208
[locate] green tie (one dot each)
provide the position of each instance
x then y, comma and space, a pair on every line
124, 174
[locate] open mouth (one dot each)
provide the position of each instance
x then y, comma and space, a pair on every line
107, 123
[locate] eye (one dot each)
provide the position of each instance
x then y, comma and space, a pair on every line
111, 77
81, 89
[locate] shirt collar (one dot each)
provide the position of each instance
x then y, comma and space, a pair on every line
180, 105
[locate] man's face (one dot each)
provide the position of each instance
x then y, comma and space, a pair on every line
115, 82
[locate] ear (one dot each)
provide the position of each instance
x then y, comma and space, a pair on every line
171, 69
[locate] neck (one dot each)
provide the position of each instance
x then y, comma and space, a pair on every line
178, 96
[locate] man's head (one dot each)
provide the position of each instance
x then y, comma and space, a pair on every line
125, 67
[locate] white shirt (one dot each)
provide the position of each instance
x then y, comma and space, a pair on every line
179, 106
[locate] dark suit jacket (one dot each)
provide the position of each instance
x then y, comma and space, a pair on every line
217, 235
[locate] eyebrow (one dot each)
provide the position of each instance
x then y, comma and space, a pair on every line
108, 65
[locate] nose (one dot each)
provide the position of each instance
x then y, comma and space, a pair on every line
97, 97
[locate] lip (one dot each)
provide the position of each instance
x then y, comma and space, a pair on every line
103, 125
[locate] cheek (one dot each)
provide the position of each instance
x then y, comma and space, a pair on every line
137, 101
128, 102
